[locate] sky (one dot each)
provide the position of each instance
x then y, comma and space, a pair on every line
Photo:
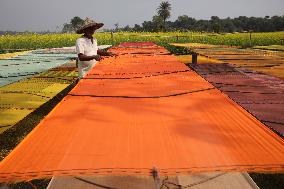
43, 15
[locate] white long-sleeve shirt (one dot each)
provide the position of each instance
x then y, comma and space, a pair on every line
86, 47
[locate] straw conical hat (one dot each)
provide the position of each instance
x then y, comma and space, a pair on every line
89, 23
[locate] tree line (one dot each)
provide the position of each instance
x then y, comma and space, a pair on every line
215, 24
185, 23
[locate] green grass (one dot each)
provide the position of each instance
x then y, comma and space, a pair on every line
176, 50
37, 41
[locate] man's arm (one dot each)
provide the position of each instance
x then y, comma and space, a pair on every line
104, 53
83, 57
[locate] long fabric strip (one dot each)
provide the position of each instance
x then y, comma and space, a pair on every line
89, 134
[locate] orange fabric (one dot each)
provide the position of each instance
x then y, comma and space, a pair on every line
131, 66
180, 132
154, 86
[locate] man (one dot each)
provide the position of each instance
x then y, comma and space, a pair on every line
87, 47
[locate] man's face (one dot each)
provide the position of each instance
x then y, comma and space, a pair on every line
90, 31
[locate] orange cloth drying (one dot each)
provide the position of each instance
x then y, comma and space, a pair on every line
177, 122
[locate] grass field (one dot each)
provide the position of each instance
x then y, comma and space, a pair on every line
37, 41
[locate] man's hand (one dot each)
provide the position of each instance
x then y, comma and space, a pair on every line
112, 54
105, 53
97, 57
83, 57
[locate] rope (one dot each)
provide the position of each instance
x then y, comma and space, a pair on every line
236, 85
93, 183
253, 102
146, 53
263, 93
14, 108
5, 126
28, 74
163, 96
23, 92
59, 78
272, 122
140, 77
20, 64
203, 181
165, 183
32, 185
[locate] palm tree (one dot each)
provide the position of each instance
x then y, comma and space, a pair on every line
164, 12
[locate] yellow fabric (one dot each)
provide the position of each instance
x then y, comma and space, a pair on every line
199, 45
11, 116
32, 88
19, 99
267, 62
51, 73
277, 71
